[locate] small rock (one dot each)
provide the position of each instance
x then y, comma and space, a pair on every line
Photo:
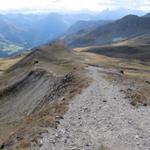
40, 145
62, 98
74, 148
104, 101
63, 131
129, 89
85, 109
59, 117
121, 71
65, 141
67, 137
57, 122
137, 143
2, 146
129, 122
56, 135
121, 90
148, 82
99, 107
145, 104
36, 61
136, 137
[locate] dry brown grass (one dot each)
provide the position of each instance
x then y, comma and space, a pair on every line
138, 75
133, 69
92, 58
7, 63
33, 126
138, 97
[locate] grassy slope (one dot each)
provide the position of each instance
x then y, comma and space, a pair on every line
136, 65
122, 51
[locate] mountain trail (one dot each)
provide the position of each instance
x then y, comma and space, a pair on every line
100, 118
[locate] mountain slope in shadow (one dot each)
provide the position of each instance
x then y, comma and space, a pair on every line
127, 27
134, 48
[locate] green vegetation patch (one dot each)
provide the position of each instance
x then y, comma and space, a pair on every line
12, 48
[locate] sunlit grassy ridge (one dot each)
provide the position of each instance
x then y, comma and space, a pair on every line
10, 49
7, 63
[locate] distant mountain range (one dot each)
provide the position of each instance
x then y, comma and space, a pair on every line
126, 27
82, 26
147, 15
28, 31
32, 30
24, 31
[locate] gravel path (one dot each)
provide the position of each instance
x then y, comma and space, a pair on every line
1, 72
101, 116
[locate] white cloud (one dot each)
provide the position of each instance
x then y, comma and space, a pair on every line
94, 5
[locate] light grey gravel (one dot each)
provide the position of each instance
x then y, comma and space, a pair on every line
100, 116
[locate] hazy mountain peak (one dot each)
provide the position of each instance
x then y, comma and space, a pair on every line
130, 16
147, 15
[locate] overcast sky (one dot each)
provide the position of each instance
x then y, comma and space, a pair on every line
73, 5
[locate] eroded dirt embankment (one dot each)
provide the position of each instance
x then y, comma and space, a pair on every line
21, 98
